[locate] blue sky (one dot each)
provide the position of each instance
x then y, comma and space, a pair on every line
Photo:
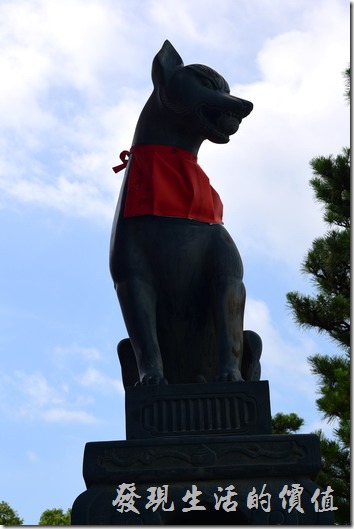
74, 77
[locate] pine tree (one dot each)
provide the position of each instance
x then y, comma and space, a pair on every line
328, 264
286, 423
335, 472
328, 261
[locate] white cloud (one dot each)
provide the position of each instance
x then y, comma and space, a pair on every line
34, 397
36, 389
95, 379
59, 397
56, 62
281, 357
88, 354
64, 415
200, 23
293, 388
57, 44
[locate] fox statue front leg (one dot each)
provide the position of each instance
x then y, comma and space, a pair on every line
229, 300
138, 302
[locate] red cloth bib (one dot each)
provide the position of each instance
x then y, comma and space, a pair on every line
167, 181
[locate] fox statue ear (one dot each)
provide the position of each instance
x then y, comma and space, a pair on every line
164, 63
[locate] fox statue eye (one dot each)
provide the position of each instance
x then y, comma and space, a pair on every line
207, 83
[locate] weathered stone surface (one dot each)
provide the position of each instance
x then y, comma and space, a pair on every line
266, 462
201, 457
190, 409
206, 437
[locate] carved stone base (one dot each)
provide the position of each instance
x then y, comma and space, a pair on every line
261, 464
206, 455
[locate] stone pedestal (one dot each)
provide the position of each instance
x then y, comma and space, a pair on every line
201, 454
198, 409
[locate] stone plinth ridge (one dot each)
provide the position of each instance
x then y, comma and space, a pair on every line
189, 409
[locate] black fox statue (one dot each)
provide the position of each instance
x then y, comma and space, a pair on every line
176, 270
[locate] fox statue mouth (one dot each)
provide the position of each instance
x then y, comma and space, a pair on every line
218, 126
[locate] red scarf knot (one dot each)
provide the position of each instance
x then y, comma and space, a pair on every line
124, 156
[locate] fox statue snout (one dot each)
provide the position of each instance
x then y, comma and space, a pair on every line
176, 270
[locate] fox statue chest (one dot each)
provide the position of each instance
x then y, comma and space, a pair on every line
168, 223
